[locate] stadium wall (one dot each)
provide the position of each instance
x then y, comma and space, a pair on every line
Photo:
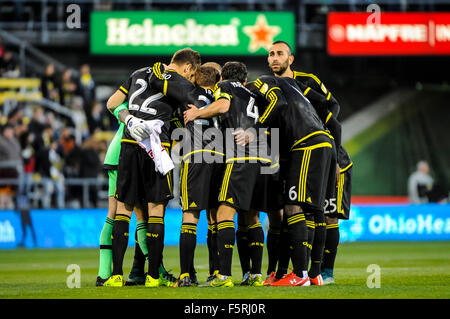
81, 228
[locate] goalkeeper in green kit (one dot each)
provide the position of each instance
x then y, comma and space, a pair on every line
137, 276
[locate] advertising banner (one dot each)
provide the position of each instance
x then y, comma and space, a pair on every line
82, 227
210, 33
388, 33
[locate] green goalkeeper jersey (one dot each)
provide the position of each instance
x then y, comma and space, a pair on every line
112, 154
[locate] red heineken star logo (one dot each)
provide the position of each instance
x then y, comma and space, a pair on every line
261, 34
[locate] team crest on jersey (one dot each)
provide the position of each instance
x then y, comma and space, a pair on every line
264, 88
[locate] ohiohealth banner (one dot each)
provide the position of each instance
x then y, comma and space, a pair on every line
81, 228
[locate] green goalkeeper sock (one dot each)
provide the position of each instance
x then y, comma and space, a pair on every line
104, 268
141, 230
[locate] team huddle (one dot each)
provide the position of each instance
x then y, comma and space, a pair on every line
272, 145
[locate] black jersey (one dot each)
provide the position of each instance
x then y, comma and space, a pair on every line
243, 113
289, 110
322, 105
146, 97
312, 81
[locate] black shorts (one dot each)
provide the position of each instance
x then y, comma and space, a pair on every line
307, 173
137, 180
268, 193
339, 206
238, 184
199, 185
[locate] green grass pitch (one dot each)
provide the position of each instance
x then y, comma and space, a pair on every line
408, 270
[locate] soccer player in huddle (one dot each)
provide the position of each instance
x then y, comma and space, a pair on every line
138, 183
237, 109
337, 203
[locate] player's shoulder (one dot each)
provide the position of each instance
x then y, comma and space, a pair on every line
311, 80
201, 91
141, 71
305, 75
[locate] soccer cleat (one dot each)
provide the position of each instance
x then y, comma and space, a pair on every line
218, 282
135, 278
114, 281
270, 279
194, 280
166, 278
184, 282
245, 279
328, 277
291, 280
255, 280
317, 281
208, 281
152, 282
100, 281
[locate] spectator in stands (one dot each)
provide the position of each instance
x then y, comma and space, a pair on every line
72, 169
98, 117
68, 89
49, 166
419, 183
8, 65
49, 85
91, 165
10, 159
86, 88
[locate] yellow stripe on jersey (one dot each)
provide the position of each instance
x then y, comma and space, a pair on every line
202, 150
124, 90
328, 117
128, 141
340, 192
306, 91
157, 71
309, 135
332, 226
273, 100
184, 192
266, 160
226, 178
165, 87
296, 73
328, 96
346, 168
303, 176
313, 147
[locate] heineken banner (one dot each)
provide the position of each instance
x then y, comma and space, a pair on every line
210, 33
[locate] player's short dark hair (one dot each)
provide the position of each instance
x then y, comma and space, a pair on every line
284, 42
187, 55
234, 71
207, 76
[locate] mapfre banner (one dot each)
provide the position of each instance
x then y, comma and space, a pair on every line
388, 33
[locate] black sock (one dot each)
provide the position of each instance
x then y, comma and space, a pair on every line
320, 233
225, 243
139, 257
155, 244
188, 239
311, 228
273, 240
256, 246
331, 246
298, 241
215, 250
209, 243
284, 251
243, 249
119, 242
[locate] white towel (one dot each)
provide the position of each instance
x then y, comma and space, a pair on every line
154, 148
